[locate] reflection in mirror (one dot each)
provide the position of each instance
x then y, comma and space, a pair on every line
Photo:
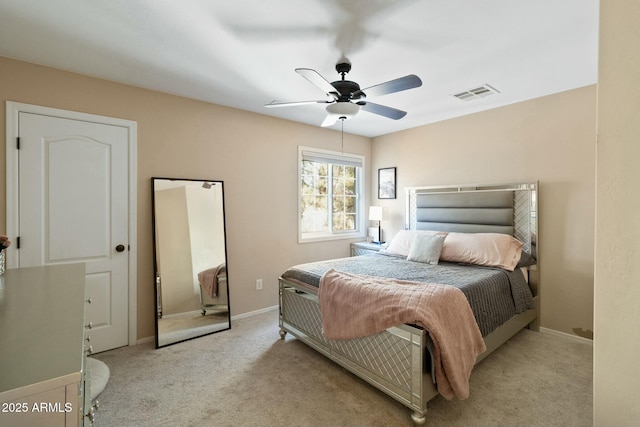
534, 223
190, 261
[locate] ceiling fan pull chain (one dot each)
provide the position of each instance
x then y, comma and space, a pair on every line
342, 134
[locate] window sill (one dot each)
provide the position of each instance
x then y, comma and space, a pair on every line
326, 237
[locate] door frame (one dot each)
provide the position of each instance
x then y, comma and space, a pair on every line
12, 126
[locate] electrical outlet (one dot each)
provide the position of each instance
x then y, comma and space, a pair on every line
258, 284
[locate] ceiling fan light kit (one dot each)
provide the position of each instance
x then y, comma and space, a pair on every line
344, 110
345, 98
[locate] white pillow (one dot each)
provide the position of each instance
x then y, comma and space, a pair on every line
426, 248
488, 249
401, 242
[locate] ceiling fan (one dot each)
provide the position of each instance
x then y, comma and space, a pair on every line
345, 98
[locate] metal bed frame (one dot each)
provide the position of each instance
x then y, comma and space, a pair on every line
396, 361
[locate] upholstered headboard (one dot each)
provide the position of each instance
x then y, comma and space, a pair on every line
497, 208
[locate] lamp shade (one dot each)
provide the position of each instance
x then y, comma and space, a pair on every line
375, 213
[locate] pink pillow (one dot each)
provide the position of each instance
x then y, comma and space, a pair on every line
488, 249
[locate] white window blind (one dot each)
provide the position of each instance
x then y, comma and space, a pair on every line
332, 158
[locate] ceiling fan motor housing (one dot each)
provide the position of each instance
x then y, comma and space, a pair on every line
347, 88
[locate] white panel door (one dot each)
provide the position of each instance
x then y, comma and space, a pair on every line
73, 207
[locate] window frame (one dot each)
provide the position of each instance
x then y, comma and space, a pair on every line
359, 159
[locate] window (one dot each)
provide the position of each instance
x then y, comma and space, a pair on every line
330, 186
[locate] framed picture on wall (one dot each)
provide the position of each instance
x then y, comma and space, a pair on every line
387, 183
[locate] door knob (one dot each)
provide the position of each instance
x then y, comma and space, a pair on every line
120, 248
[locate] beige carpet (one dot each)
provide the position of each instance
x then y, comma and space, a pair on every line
247, 376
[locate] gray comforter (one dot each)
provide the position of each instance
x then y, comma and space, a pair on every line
495, 295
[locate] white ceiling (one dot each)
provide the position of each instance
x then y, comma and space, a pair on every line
242, 53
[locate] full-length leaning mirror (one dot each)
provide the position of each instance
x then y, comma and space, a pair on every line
190, 259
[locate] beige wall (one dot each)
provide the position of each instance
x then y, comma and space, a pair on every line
254, 155
617, 266
550, 140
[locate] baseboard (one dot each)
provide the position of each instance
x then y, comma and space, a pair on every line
146, 340
254, 313
275, 307
565, 335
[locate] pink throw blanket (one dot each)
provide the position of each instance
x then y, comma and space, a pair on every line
209, 279
355, 305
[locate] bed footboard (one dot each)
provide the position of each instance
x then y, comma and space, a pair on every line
393, 361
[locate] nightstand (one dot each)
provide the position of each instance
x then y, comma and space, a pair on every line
364, 248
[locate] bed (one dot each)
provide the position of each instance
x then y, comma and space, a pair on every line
400, 359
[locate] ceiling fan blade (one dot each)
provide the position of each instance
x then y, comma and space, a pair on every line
403, 83
330, 120
274, 104
314, 77
383, 110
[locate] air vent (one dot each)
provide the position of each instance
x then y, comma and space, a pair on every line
476, 93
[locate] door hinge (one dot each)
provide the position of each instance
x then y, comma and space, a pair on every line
18, 142
18, 242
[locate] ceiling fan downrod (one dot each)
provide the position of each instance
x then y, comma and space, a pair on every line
346, 88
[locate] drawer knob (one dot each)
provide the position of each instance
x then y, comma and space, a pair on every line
89, 326
89, 300
90, 350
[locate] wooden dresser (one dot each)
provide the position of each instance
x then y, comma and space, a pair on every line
43, 378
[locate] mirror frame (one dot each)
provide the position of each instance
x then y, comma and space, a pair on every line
155, 259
